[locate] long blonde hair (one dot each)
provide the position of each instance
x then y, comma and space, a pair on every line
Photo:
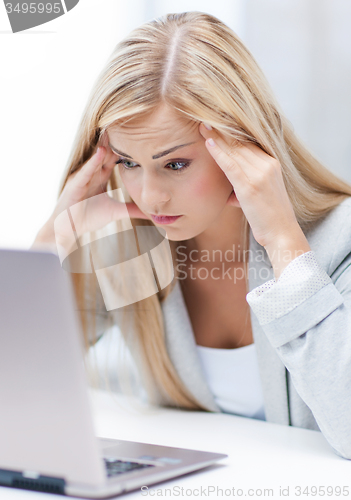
196, 64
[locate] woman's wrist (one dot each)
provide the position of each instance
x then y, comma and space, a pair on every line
61, 243
284, 250
45, 237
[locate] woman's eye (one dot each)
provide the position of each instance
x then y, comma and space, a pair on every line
128, 165
178, 165
173, 165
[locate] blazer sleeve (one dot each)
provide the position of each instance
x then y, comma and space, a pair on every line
306, 316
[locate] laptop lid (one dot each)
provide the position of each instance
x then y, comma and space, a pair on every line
45, 420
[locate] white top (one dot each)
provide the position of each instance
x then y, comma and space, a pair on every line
233, 378
232, 374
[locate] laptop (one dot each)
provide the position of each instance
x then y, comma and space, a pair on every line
47, 434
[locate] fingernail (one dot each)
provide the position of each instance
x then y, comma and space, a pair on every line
211, 142
207, 126
97, 151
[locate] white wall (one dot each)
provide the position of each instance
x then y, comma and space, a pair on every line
47, 74
231, 12
304, 48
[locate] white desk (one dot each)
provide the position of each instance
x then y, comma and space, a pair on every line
261, 455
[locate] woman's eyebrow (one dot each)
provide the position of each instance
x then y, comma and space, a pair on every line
159, 155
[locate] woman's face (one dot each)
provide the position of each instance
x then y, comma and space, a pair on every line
167, 170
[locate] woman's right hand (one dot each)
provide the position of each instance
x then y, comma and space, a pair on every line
91, 208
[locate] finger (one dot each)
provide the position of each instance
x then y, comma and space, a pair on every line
110, 155
104, 140
207, 134
238, 152
103, 175
94, 177
85, 174
252, 152
110, 160
227, 163
108, 164
98, 183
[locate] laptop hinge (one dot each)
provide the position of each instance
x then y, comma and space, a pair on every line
29, 480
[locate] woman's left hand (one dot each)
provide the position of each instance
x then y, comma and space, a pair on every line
258, 187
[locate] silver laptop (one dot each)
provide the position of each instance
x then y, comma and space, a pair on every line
46, 426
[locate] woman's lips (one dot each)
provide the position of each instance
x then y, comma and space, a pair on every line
165, 219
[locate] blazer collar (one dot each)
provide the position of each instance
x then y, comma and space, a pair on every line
272, 370
181, 345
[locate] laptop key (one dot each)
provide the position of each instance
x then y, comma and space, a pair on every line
115, 467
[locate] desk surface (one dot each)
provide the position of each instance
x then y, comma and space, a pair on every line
261, 455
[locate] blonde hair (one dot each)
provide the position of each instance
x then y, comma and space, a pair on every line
197, 65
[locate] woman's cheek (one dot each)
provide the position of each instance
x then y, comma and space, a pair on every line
198, 187
208, 194
131, 187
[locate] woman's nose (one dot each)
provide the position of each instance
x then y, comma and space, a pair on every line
154, 192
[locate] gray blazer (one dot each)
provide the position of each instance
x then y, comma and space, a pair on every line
304, 356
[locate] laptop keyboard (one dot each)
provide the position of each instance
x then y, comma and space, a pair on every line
115, 467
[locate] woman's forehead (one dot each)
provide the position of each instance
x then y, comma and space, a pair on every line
161, 117
155, 126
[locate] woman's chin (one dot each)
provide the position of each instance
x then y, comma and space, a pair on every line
170, 234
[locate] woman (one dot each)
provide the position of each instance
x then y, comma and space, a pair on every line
204, 153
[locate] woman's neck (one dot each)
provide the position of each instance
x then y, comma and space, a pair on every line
225, 234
